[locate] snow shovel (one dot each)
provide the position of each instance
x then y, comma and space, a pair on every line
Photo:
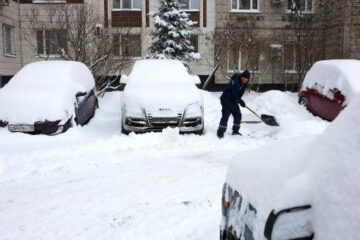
251, 122
267, 119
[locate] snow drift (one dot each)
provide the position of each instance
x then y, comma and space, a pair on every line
323, 172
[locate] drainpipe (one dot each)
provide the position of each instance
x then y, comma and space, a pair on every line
20, 37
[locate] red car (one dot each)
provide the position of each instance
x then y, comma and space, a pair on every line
329, 86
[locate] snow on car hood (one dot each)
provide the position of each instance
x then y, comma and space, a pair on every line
334, 174
44, 91
160, 87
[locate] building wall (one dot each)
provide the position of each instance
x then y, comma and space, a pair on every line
336, 21
9, 15
340, 29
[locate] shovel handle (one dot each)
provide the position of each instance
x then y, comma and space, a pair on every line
253, 112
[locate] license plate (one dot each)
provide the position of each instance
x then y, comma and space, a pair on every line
21, 128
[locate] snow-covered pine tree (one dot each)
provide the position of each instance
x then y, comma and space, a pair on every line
171, 37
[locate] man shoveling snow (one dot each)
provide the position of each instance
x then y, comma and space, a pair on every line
230, 99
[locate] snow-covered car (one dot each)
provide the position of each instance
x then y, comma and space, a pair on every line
329, 86
48, 97
160, 94
307, 188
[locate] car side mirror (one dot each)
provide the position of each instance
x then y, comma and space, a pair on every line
124, 79
290, 223
80, 94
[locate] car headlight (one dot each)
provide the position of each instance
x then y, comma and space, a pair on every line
132, 110
193, 110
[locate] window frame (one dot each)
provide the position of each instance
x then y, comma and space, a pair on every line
196, 48
294, 62
118, 46
190, 6
49, 1
251, 10
44, 43
306, 7
228, 61
12, 40
120, 8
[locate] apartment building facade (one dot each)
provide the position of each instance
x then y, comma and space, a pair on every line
268, 23
274, 53
130, 16
10, 38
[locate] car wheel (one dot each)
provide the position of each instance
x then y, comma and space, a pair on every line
123, 131
303, 101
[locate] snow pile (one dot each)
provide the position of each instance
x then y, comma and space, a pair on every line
285, 108
323, 172
44, 91
93, 182
334, 74
335, 177
154, 84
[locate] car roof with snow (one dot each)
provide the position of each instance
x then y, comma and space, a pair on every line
44, 91
322, 171
341, 74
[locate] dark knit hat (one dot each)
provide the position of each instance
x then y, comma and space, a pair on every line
246, 74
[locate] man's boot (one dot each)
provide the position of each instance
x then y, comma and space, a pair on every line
237, 133
220, 133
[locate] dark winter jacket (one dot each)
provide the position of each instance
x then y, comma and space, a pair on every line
233, 92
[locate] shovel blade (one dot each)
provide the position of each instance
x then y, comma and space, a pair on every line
269, 120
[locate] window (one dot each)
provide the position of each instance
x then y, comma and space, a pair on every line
51, 42
130, 45
289, 58
49, 1
194, 40
9, 40
189, 4
240, 60
303, 5
234, 58
116, 44
245, 5
126, 4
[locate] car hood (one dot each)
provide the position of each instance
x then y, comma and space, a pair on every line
161, 103
21, 107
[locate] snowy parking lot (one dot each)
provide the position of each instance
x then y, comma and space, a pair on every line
93, 182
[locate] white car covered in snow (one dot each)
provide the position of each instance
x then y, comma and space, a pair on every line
48, 97
301, 189
160, 94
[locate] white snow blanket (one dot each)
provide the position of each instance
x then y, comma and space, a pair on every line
93, 182
154, 84
334, 74
44, 91
323, 172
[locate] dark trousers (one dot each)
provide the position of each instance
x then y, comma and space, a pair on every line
227, 109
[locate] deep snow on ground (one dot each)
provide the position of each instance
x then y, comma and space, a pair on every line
95, 183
